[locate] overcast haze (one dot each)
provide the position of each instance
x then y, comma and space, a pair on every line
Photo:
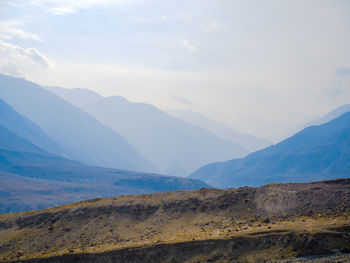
263, 67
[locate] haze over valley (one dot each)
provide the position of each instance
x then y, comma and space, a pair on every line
174, 131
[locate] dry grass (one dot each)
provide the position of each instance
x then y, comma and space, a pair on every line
144, 221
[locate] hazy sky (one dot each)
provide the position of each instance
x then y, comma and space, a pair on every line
264, 67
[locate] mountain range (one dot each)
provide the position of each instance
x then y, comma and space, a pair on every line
33, 176
27, 129
330, 115
315, 153
80, 136
174, 146
59, 145
249, 142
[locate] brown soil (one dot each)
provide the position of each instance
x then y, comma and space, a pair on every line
273, 222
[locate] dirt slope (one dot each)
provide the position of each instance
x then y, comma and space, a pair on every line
273, 222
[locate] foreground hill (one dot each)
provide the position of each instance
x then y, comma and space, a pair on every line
81, 136
263, 224
174, 146
315, 153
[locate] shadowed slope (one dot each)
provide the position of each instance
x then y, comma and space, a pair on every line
26, 129
317, 152
81, 136
32, 178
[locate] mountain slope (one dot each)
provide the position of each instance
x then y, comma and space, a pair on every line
331, 115
315, 153
81, 136
32, 178
12, 142
26, 129
174, 146
249, 142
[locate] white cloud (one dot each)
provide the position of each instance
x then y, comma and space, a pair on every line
9, 30
163, 18
10, 68
150, 19
260, 68
15, 59
65, 7
15, 32
37, 57
209, 25
189, 46
62, 10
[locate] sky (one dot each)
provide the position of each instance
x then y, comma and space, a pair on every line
263, 67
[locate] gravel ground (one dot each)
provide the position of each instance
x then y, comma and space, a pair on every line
339, 258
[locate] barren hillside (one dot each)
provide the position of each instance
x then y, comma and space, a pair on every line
273, 222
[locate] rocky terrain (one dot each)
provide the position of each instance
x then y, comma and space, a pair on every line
307, 222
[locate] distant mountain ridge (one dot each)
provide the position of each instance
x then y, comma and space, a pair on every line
315, 153
32, 178
27, 129
174, 146
331, 115
81, 136
12, 142
249, 142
